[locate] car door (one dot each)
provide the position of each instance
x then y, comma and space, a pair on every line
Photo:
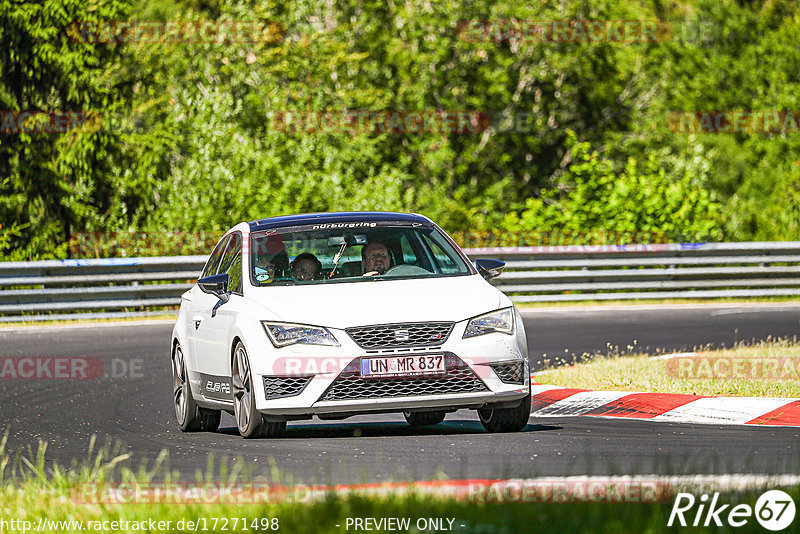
203, 301
195, 297
212, 331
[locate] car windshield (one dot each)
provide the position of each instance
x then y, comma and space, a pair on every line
352, 252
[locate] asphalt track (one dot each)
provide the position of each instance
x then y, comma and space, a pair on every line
136, 411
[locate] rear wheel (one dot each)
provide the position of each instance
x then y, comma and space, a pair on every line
506, 419
424, 418
248, 420
191, 418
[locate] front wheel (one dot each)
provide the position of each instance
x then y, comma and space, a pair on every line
249, 421
191, 418
506, 419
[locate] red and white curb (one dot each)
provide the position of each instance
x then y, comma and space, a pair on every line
557, 401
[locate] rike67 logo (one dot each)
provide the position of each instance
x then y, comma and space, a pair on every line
774, 510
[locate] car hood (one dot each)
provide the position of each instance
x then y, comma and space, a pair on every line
347, 304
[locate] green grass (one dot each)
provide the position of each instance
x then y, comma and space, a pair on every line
709, 373
31, 488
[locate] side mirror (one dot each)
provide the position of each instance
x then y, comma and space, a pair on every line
217, 285
490, 268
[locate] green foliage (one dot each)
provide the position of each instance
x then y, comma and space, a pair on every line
638, 199
734, 56
55, 184
209, 150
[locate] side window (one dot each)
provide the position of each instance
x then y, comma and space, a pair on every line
232, 263
214, 259
235, 275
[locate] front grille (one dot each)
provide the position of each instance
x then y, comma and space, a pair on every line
400, 335
284, 386
510, 372
459, 380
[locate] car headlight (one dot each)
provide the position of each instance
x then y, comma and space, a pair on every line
284, 334
501, 321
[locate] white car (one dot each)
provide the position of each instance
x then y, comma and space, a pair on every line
341, 314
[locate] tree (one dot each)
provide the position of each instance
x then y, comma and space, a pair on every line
54, 184
638, 201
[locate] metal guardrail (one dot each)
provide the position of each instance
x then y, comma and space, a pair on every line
39, 290
664, 271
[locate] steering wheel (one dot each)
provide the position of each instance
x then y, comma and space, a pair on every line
407, 270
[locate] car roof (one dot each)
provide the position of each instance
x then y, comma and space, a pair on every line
335, 217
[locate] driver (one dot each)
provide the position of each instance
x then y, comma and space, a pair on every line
375, 259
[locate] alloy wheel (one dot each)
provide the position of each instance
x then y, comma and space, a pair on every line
179, 385
242, 387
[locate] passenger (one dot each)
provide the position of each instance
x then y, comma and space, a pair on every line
306, 267
375, 259
272, 260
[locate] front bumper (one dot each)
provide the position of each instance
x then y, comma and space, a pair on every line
489, 383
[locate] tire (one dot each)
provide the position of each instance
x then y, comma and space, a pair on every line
424, 418
250, 423
191, 418
506, 419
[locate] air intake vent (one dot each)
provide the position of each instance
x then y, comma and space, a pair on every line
276, 387
510, 372
400, 335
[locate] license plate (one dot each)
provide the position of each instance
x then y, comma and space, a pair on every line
431, 364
